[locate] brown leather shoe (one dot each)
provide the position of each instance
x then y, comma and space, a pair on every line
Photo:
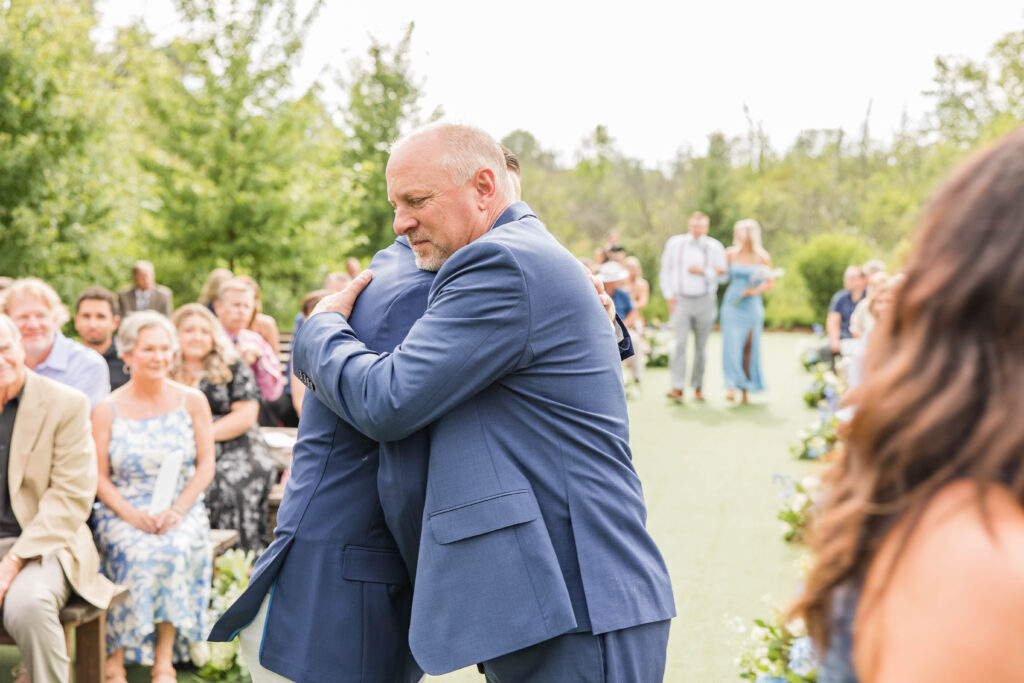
676, 395
699, 395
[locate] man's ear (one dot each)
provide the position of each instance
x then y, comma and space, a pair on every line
485, 186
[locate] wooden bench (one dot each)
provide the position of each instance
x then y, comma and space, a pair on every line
89, 622
284, 347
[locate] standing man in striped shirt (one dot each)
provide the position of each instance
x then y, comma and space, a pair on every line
692, 267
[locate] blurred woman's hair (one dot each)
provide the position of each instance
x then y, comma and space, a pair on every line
311, 299
211, 287
748, 231
943, 378
218, 361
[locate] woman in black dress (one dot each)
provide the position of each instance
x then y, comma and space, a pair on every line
238, 498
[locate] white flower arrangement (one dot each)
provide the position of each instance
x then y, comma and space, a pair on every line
223, 661
778, 652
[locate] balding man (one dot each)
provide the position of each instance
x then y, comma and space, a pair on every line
145, 294
47, 486
38, 312
530, 490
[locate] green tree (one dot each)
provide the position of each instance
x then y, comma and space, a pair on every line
243, 175
821, 263
61, 215
383, 103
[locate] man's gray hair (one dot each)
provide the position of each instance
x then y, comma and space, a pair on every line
9, 324
467, 149
33, 287
234, 285
133, 325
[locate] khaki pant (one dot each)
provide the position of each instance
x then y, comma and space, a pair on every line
249, 639
31, 614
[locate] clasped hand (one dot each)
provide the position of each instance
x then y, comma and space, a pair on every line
159, 523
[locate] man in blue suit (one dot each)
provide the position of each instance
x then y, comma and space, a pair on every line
533, 558
329, 600
317, 627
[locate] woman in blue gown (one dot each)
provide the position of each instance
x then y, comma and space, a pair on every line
742, 315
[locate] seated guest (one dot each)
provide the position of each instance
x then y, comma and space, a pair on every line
37, 311
154, 445
861, 321
235, 304
217, 277
261, 323
239, 496
840, 310
46, 546
919, 573
96, 318
145, 294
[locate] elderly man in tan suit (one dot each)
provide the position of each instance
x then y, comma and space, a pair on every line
48, 467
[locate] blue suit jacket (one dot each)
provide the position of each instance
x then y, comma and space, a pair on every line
534, 516
341, 595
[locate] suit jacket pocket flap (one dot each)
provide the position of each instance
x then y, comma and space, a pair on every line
374, 565
483, 516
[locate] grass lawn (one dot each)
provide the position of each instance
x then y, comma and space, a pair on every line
707, 472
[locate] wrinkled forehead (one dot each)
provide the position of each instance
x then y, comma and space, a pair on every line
28, 302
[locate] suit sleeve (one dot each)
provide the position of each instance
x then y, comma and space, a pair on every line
65, 505
473, 332
625, 343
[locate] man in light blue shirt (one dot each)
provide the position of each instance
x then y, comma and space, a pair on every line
38, 313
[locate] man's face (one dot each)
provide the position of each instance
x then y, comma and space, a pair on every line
35, 321
143, 278
95, 321
853, 279
436, 216
234, 309
12, 360
698, 226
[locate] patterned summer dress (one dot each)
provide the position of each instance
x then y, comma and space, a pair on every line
239, 495
169, 574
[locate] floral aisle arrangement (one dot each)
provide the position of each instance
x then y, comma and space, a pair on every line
800, 501
659, 340
223, 661
809, 351
824, 390
778, 652
818, 439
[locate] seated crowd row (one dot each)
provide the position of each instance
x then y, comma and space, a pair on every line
173, 405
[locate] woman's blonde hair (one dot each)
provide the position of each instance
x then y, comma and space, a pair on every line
218, 361
751, 230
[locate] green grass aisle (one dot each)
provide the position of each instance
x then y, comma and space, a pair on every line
707, 473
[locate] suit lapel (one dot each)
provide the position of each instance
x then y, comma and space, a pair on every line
27, 425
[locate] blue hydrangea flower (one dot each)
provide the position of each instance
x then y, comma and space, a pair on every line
802, 660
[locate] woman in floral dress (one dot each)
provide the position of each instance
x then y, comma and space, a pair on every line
239, 496
153, 538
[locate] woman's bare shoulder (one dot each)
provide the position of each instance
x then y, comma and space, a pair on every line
957, 585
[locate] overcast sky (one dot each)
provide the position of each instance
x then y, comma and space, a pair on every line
660, 75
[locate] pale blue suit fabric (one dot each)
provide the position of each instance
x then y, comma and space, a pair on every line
534, 516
